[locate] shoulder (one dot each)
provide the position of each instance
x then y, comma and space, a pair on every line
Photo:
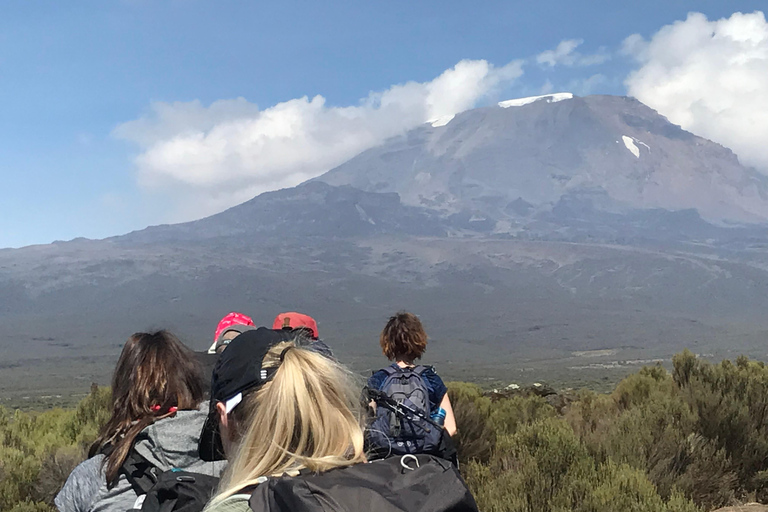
90, 469
435, 385
82, 486
431, 375
377, 379
234, 503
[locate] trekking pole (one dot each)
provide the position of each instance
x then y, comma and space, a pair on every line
398, 408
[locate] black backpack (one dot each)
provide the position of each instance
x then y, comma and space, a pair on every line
410, 483
174, 490
402, 424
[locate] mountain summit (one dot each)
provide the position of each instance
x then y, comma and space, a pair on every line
521, 158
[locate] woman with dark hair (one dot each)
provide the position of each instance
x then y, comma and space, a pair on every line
412, 385
156, 391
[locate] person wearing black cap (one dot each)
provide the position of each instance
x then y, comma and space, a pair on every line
237, 372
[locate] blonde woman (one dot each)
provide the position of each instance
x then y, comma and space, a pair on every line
297, 442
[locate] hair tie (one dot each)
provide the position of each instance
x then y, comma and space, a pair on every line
158, 407
286, 349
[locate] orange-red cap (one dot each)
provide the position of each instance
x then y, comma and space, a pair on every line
294, 320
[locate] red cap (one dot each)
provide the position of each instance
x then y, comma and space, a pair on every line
229, 320
294, 320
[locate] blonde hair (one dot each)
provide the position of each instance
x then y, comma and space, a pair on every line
308, 416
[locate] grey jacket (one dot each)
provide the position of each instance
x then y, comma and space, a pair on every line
169, 443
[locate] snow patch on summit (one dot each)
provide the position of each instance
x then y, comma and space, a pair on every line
629, 142
441, 121
547, 98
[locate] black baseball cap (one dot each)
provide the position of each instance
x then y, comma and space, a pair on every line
237, 371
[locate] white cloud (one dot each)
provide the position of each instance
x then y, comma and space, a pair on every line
710, 77
217, 156
566, 55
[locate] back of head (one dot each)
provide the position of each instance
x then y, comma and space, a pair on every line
232, 321
155, 375
307, 416
403, 337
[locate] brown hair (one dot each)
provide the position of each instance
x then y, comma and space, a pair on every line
403, 337
155, 375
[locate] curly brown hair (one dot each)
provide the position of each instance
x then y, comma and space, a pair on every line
403, 337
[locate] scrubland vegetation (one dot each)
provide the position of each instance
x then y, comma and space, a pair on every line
38, 450
691, 440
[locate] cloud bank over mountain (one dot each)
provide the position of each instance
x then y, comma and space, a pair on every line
230, 151
565, 54
710, 77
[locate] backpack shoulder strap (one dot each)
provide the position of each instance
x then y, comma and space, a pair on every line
391, 369
180, 491
421, 368
139, 472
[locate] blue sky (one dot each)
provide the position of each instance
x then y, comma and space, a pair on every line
94, 93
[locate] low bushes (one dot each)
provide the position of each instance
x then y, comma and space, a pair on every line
540, 463
39, 450
695, 437
692, 439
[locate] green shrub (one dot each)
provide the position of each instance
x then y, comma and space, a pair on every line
696, 435
649, 424
510, 413
731, 403
31, 506
475, 436
39, 450
545, 467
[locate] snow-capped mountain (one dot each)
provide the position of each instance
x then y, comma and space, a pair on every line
536, 152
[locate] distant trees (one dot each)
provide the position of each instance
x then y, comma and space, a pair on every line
692, 439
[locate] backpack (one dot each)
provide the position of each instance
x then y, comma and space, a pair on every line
402, 424
174, 490
410, 483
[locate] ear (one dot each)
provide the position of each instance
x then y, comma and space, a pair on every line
224, 429
221, 409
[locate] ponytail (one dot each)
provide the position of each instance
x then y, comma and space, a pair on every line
308, 416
